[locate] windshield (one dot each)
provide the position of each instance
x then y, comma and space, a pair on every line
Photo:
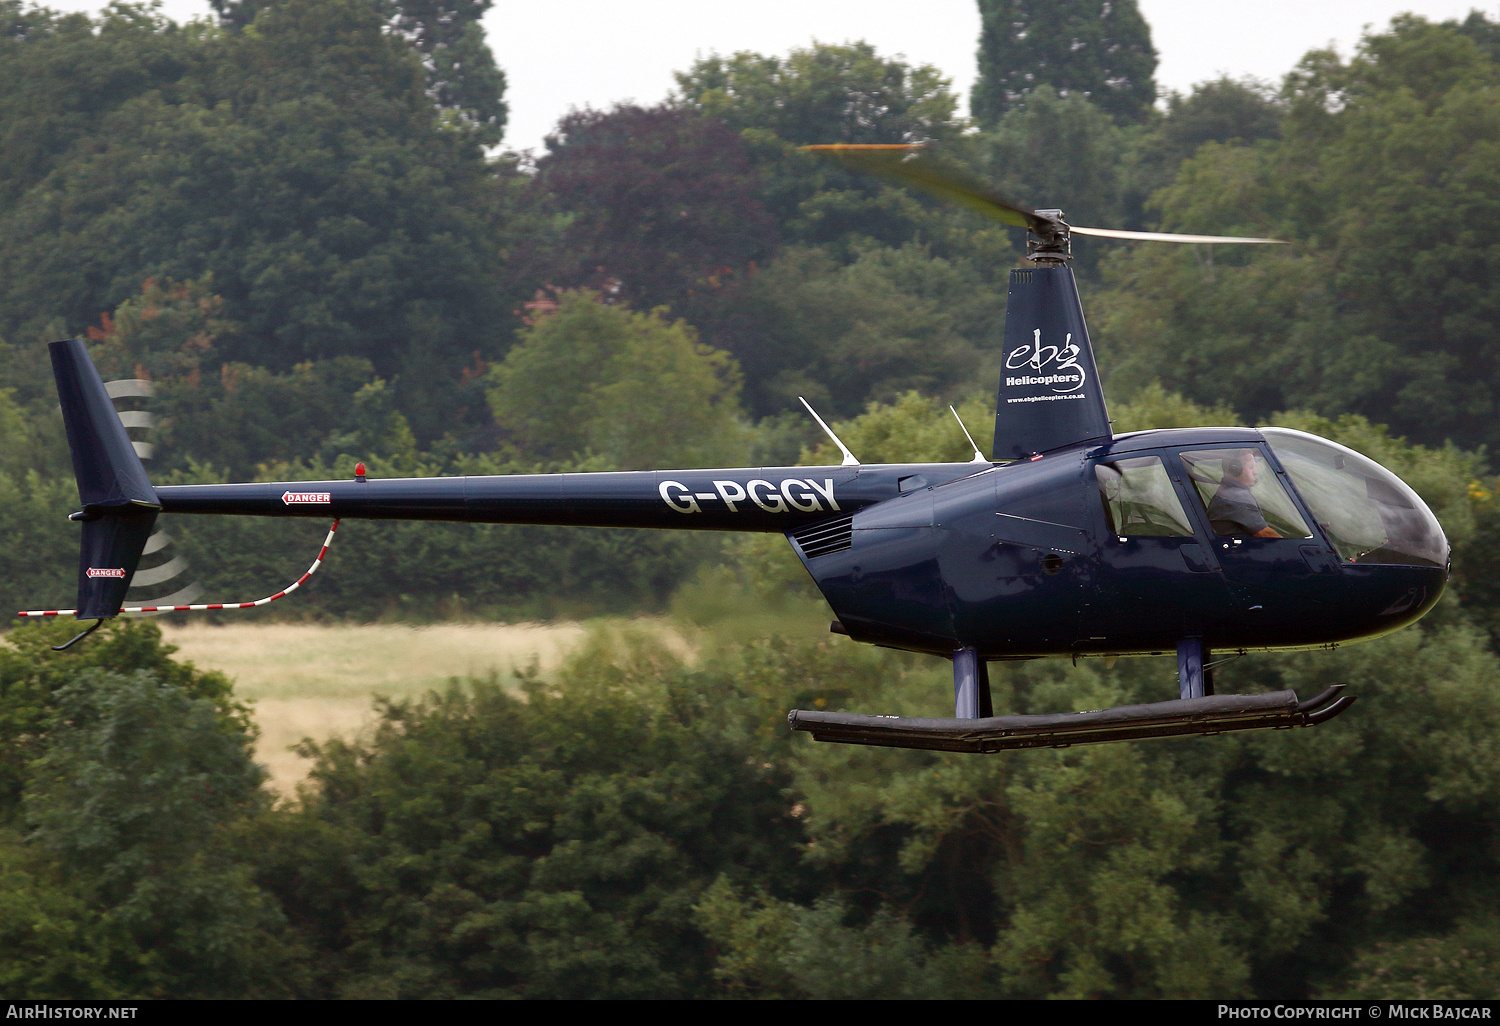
1369, 513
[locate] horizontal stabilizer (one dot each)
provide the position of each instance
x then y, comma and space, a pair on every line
1219, 714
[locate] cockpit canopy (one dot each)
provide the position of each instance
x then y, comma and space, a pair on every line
1368, 513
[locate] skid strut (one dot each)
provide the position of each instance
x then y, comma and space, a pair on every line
971, 685
199, 607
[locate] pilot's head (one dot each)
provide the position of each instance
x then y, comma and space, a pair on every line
1241, 467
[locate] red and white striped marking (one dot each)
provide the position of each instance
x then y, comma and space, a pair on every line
199, 607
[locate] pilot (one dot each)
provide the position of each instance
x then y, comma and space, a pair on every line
1233, 509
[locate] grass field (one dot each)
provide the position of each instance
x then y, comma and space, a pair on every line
317, 681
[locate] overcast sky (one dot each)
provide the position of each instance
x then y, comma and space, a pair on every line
560, 54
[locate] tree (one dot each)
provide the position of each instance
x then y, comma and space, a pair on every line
549, 843
828, 94
1099, 48
890, 320
1061, 151
62, 76
665, 210
130, 801
124, 776
32, 676
634, 388
1222, 110
302, 164
1361, 316
166, 331
462, 78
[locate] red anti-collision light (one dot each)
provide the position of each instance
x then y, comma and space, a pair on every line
359, 470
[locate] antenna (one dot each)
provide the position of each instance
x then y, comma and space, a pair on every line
849, 460
978, 456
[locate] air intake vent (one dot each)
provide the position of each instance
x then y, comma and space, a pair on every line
822, 538
1020, 277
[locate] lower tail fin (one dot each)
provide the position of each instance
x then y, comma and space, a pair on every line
119, 504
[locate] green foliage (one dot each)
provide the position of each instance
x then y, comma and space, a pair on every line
32, 677
1155, 407
20, 444
634, 825
168, 330
634, 388
575, 830
890, 321
1366, 314
1222, 110
781, 949
135, 770
41, 558
1459, 967
1476, 563
913, 429
136, 782
51, 940
246, 417
827, 93
663, 208
1060, 150
462, 77
62, 80
302, 164
1186, 868
1100, 49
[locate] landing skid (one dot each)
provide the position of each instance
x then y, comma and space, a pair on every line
1217, 714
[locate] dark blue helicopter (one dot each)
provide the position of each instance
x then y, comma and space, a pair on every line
1072, 542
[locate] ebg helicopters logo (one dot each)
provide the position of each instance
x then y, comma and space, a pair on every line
1054, 366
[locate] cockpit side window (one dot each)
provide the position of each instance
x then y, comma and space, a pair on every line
1242, 495
1139, 500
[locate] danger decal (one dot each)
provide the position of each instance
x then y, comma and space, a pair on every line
105, 571
292, 498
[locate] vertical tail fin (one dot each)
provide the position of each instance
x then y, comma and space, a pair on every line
1050, 394
119, 504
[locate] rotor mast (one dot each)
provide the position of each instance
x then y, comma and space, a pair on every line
1049, 244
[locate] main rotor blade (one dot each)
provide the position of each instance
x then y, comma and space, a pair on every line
901, 163
1115, 233
911, 164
